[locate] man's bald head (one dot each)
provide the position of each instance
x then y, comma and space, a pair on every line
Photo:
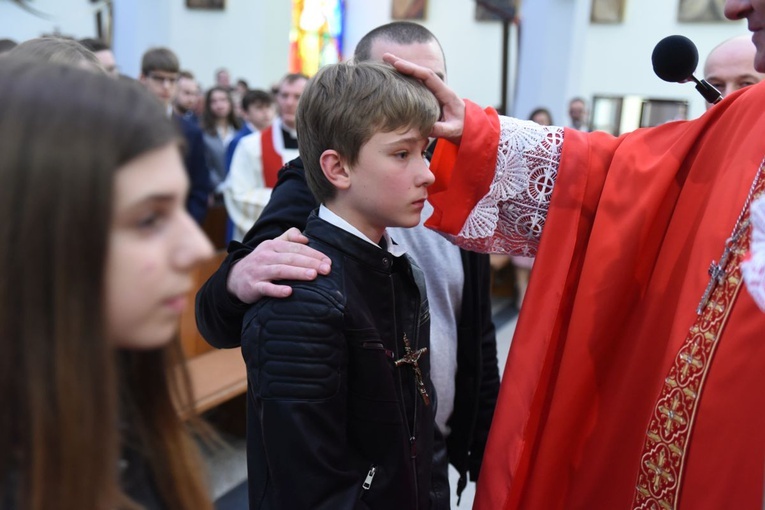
730, 65
406, 40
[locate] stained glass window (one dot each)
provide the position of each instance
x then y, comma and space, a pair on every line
316, 36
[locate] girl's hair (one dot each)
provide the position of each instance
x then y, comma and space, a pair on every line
65, 391
209, 120
57, 50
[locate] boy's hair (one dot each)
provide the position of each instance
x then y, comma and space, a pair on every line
186, 74
257, 97
159, 59
345, 104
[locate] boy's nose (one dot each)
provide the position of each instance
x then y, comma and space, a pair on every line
428, 176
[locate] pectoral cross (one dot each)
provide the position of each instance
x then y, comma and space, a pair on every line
717, 274
717, 269
412, 358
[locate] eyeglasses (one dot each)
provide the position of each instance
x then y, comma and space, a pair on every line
160, 79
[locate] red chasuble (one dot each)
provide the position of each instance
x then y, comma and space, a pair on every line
616, 394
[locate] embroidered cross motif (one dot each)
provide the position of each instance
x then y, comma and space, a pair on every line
690, 359
659, 470
672, 414
412, 358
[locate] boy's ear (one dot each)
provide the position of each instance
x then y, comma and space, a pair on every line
334, 168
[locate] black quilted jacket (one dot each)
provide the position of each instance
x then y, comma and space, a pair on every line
336, 424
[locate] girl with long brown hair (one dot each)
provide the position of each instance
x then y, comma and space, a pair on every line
97, 249
219, 124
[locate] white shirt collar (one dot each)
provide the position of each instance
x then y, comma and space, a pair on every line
279, 124
332, 218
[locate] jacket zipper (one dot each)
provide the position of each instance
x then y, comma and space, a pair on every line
368, 480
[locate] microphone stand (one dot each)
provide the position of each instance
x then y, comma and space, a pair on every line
711, 94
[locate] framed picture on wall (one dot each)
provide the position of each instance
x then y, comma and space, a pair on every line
494, 10
607, 11
700, 11
409, 9
206, 4
606, 114
658, 111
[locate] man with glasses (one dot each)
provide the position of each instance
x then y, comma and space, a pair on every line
160, 70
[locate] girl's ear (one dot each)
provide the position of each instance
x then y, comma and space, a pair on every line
334, 168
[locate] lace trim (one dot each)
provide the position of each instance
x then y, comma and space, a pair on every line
754, 268
510, 218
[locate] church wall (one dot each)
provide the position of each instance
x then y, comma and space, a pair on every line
562, 53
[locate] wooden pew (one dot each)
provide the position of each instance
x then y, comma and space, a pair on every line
217, 375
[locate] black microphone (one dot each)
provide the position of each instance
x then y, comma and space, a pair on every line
675, 59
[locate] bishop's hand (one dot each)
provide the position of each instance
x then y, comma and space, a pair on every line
452, 119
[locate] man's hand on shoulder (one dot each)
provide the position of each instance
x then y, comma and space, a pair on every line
285, 258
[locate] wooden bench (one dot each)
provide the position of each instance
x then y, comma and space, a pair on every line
217, 375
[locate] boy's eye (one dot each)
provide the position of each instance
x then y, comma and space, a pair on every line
402, 154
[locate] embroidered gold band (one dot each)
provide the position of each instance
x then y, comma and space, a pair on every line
666, 442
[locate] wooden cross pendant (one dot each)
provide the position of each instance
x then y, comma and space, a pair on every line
412, 358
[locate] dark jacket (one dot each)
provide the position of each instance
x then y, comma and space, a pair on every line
196, 167
219, 318
337, 423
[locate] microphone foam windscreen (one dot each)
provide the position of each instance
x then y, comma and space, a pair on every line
675, 58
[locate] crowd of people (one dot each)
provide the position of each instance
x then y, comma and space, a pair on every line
358, 286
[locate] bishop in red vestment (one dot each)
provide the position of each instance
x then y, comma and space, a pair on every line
636, 378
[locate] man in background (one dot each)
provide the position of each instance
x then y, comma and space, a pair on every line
187, 97
259, 157
160, 71
577, 113
223, 78
103, 53
730, 65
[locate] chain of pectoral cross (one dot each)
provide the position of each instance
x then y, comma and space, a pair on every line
718, 270
412, 358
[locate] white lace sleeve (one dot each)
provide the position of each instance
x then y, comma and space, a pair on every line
510, 218
754, 268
